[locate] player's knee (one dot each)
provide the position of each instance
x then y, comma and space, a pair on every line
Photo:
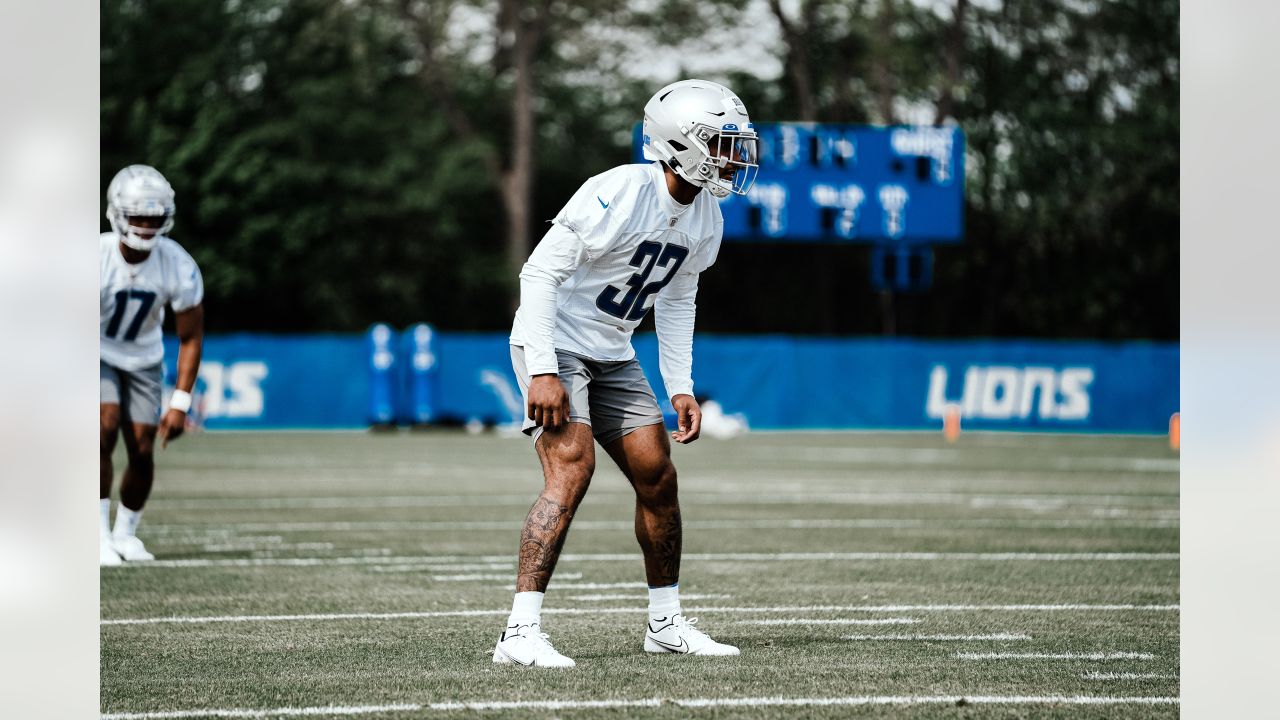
569, 457
143, 446
657, 484
572, 471
109, 422
107, 437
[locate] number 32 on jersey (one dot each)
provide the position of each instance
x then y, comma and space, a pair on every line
630, 304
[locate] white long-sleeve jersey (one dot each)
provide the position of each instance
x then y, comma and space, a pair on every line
133, 299
620, 246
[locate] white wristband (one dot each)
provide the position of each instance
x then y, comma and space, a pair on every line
180, 400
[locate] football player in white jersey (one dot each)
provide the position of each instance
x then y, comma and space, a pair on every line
631, 239
142, 271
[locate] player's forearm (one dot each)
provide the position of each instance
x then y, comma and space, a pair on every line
190, 326
674, 323
189, 350
538, 290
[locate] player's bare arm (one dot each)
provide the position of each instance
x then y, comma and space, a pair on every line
190, 328
688, 419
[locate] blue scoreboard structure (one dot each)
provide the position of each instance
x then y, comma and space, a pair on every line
899, 188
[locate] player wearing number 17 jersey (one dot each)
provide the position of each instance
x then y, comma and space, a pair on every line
632, 239
141, 271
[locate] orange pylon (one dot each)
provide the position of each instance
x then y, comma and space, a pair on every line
1175, 432
951, 422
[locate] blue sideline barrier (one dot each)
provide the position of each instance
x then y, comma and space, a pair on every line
778, 382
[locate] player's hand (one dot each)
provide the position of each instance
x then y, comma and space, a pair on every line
688, 419
548, 402
172, 425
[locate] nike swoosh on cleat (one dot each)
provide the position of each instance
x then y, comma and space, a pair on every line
603, 204
664, 627
682, 647
515, 660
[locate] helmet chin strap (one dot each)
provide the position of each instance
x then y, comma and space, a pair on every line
711, 181
704, 181
128, 236
138, 242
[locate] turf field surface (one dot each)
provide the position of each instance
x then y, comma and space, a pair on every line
868, 575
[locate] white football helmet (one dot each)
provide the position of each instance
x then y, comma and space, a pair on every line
139, 191
701, 130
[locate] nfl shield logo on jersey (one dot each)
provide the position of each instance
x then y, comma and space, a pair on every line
673, 222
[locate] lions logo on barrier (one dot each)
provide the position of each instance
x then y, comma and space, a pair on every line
1000, 392
231, 390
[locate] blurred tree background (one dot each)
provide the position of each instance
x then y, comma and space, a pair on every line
340, 162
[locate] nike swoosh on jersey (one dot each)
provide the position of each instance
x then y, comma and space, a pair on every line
603, 204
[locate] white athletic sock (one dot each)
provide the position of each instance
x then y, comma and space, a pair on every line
104, 517
127, 520
526, 608
664, 601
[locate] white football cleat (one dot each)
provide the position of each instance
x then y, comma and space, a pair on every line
675, 634
527, 645
131, 548
107, 555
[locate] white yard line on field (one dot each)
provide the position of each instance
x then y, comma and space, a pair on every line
944, 638
638, 610
726, 497
638, 598
191, 533
707, 557
837, 621
492, 576
954, 459
593, 585
1118, 464
1056, 656
1095, 675
265, 712
444, 568
856, 700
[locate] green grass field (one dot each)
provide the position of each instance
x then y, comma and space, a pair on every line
1032, 575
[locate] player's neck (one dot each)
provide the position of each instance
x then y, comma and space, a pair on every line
132, 256
681, 190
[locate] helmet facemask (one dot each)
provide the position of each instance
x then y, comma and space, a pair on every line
731, 160
138, 237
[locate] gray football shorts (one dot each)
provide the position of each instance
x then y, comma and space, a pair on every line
137, 392
614, 398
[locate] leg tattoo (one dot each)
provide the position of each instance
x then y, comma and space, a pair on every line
660, 534
545, 530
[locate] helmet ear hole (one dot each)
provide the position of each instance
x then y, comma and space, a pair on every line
676, 146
